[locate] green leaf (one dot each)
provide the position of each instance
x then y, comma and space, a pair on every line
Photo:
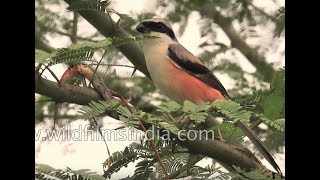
256, 174
83, 51
45, 167
87, 173
230, 132
41, 56
280, 24
273, 106
278, 124
278, 83
231, 110
189, 106
170, 106
122, 159
196, 113
95, 109
171, 127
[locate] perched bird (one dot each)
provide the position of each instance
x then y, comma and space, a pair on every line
182, 76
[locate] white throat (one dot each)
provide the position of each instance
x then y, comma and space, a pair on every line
156, 56
160, 39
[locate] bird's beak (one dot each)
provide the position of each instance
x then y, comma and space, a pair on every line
141, 28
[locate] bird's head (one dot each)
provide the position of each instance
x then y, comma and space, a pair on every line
156, 27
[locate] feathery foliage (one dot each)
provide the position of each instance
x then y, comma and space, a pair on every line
196, 113
173, 162
46, 172
257, 174
122, 159
49, 19
280, 25
265, 105
82, 51
210, 172
144, 169
230, 132
231, 110
95, 109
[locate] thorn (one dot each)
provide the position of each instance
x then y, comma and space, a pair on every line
134, 71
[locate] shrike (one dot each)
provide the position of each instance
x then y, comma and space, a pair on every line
182, 76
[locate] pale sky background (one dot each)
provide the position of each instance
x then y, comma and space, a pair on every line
91, 154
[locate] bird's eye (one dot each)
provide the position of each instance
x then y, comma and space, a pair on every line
158, 26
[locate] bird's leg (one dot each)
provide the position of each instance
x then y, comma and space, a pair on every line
183, 122
219, 135
212, 122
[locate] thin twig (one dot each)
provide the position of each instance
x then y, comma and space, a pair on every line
74, 29
51, 72
102, 90
95, 71
99, 129
153, 145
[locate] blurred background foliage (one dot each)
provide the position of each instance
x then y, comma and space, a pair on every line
254, 35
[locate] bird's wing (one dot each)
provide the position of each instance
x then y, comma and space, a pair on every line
186, 61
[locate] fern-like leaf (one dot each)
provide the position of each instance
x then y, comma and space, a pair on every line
174, 162
41, 56
280, 25
197, 113
209, 172
50, 19
86, 174
257, 174
82, 51
231, 133
171, 127
144, 169
129, 118
95, 109
122, 159
231, 110
279, 124
46, 172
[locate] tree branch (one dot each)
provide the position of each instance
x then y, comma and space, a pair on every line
108, 28
226, 153
74, 29
68, 93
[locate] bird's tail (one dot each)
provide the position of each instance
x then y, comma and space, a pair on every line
259, 145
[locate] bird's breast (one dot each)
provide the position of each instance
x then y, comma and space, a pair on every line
173, 82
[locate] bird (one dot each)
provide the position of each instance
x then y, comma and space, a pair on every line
181, 76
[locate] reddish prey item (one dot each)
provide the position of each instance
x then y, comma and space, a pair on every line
75, 70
